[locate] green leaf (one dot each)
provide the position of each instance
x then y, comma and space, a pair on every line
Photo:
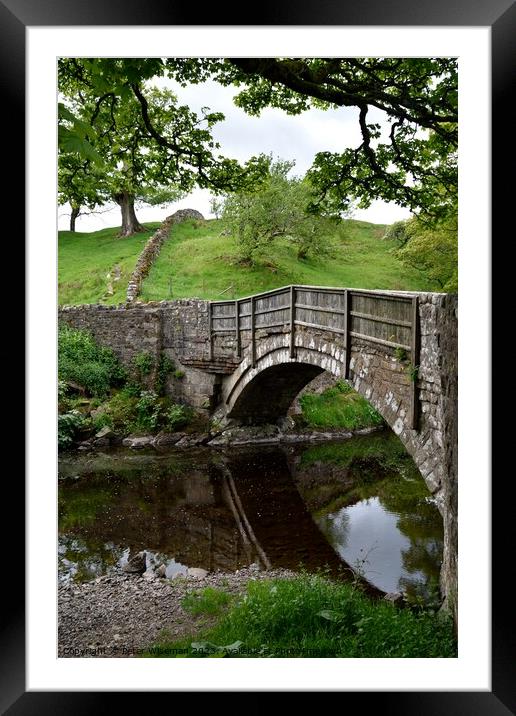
330, 615
64, 113
71, 143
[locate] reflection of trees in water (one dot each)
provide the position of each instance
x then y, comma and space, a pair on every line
335, 527
253, 507
83, 559
418, 520
376, 466
151, 506
423, 527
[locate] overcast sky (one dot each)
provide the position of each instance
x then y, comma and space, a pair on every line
241, 136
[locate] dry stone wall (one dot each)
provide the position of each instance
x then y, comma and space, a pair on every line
152, 249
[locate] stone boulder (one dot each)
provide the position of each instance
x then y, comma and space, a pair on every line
136, 564
183, 215
138, 442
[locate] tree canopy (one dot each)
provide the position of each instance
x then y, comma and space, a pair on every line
413, 163
429, 248
410, 158
134, 141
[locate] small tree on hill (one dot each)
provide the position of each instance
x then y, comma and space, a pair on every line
278, 209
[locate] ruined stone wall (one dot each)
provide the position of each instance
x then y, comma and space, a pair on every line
152, 249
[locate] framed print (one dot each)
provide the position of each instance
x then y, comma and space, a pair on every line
32, 32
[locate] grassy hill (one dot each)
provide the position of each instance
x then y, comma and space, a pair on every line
199, 260
85, 259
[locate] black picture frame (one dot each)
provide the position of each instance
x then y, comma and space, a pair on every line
500, 15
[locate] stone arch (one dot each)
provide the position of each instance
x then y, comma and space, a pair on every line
264, 392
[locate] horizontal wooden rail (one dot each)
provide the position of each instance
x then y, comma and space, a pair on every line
385, 318
381, 341
380, 319
321, 309
318, 326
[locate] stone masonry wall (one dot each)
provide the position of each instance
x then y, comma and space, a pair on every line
126, 331
178, 329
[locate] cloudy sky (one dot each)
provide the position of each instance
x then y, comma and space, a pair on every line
297, 138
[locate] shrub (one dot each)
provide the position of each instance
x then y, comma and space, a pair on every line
118, 412
83, 361
143, 363
177, 416
131, 410
165, 367
67, 427
148, 411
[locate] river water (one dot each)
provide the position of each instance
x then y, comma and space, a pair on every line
353, 507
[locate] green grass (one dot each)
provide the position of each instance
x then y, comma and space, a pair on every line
313, 616
85, 259
339, 407
198, 260
208, 601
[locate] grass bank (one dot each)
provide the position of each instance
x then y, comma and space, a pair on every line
201, 260
85, 260
339, 407
310, 616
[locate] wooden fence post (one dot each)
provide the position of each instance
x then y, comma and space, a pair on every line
210, 330
237, 329
414, 357
253, 344
292, 322
347, 337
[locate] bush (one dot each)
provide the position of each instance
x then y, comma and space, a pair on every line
279, 208
148, 411
143, 363
67, 428
177, 416
83, 361
132, 410
118, 412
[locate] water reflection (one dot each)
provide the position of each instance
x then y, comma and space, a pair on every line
367, 537
330, 506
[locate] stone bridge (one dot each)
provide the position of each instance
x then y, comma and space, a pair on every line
250, 357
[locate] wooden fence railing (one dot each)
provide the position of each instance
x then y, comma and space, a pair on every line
387, 319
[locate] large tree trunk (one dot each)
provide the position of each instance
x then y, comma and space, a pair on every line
130, 224
76, 210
